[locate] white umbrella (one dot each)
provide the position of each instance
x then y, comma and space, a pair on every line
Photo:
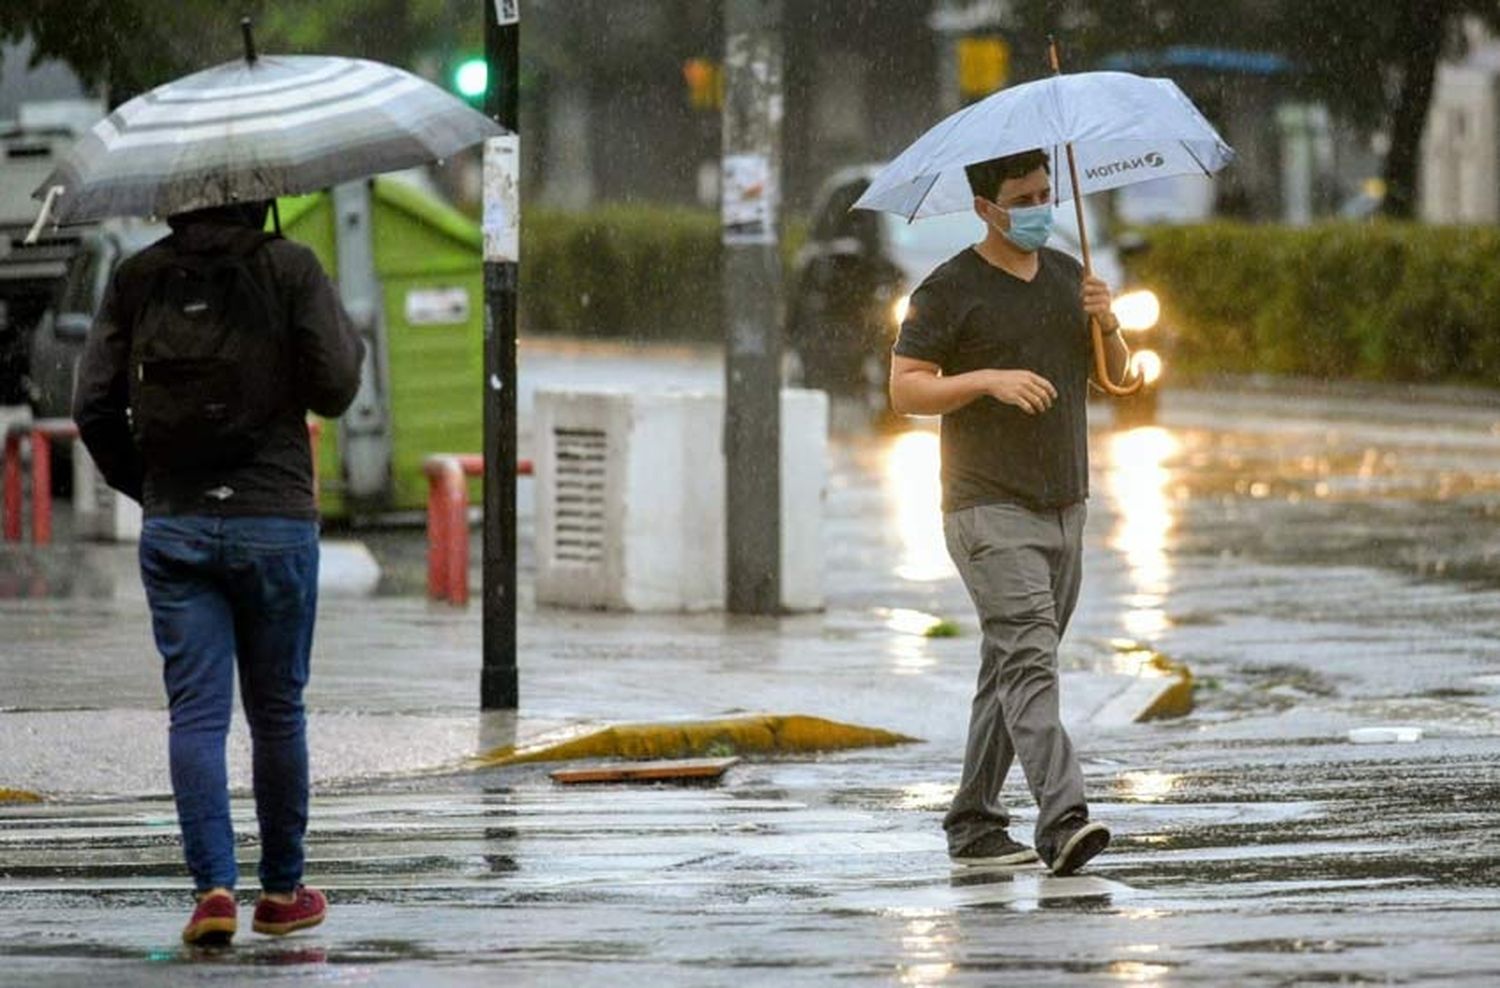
1125, 128
1109, 128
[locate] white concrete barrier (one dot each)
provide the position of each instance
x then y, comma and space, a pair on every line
630, 499
99, 511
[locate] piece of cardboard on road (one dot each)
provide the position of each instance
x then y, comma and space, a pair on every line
661, 770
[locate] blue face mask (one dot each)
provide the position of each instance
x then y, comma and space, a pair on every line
1029, 226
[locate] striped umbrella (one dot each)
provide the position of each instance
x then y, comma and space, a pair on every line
255, 129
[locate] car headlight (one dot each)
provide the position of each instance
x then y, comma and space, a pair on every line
1146, 363
1137, 310
899, 308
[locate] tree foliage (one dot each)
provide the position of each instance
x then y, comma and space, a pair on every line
126, 47
1372, 65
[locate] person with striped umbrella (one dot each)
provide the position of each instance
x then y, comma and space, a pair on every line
208, 351
254, 129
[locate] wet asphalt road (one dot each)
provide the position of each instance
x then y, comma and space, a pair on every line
1264, 864
1322, 562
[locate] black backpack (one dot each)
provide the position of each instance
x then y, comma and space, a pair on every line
207, 358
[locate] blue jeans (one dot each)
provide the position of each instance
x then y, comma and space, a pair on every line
221, 590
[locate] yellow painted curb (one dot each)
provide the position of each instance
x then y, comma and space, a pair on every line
1175, 700
18, 796
1171, 693
684, 739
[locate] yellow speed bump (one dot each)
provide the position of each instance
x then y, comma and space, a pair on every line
18, 796
790, 734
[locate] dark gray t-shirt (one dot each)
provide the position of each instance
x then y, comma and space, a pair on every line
969, 315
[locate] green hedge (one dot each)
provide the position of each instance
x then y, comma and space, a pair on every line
1381, 301
625, 271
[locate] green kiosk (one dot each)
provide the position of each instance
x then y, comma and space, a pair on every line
409, 269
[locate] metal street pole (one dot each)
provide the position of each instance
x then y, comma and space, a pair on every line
498, 688
751, 189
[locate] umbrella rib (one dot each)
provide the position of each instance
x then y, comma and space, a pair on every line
1196, 160
912, 217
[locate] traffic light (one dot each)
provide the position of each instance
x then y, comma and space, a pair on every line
705, 83
983, 65
471, 78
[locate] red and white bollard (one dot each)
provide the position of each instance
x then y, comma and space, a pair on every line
41, 434
448, 522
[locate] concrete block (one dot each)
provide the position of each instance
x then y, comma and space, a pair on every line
99, 511
630, 499
346, 569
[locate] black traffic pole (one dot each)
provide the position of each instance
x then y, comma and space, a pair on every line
498, 687
752, 290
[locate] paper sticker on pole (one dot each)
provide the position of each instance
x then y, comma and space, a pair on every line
749, 200
502, 199
507, 12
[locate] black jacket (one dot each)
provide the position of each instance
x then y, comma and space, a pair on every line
325, 352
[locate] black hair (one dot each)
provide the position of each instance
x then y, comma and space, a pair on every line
985, 177
251, 214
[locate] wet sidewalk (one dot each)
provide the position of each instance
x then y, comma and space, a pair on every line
395, 683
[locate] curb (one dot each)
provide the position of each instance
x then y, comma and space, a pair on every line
18, 796
1162, 688
1175, 697
347, 568
789, 734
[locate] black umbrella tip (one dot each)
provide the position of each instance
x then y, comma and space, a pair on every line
246, 29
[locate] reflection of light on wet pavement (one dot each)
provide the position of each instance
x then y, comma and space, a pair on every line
1142, 913
926, 945
1138, 973
1137, 482
1148, 786
910, 622
910, 652
910, 656
914, 492
925, 974
926, 796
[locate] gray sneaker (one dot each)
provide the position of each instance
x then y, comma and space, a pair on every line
1072, 844
994, 849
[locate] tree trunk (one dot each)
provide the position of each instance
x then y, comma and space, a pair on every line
1423, 28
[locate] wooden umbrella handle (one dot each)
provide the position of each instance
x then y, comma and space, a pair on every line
1101, 367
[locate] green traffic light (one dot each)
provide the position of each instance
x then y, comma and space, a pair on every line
472, 78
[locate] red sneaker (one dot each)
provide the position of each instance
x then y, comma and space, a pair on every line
213, 923
280, 918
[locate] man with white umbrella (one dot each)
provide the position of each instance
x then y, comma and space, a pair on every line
996, 341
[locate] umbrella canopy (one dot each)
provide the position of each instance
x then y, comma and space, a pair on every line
256, 129
1125, 128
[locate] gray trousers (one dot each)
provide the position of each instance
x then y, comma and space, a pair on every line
1022, 569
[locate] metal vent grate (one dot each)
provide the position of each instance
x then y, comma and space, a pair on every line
578, 530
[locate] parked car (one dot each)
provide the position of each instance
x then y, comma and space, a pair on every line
57, 341
29, 150
854, 277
